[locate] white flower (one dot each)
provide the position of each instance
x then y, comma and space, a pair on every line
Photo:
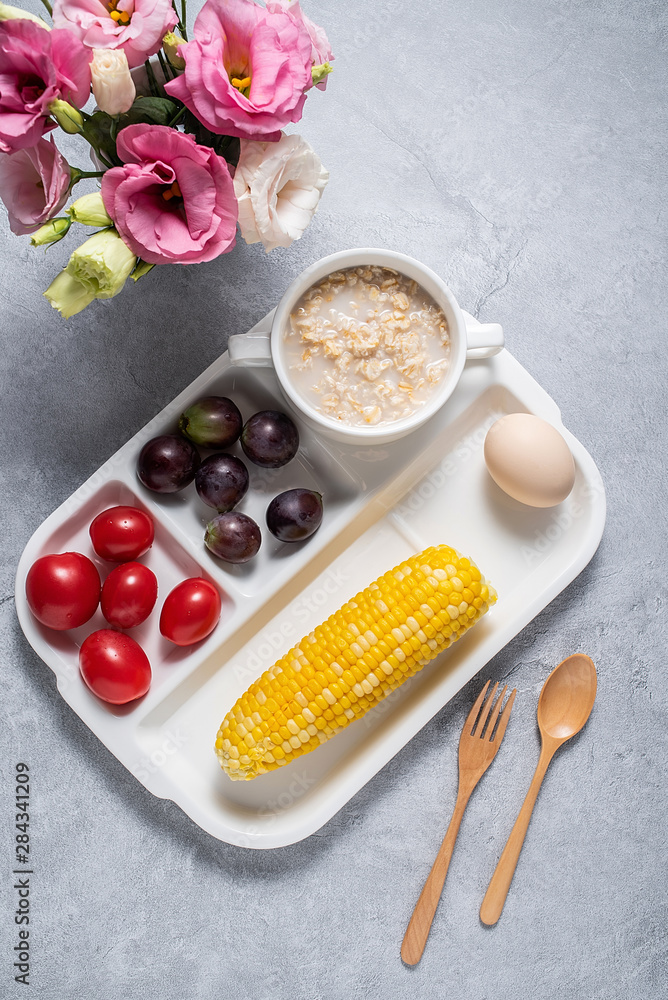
278, 187
113, 87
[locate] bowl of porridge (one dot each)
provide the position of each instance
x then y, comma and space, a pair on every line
367, 345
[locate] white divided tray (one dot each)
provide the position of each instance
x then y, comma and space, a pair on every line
381, 505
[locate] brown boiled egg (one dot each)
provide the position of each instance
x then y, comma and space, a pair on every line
529, 460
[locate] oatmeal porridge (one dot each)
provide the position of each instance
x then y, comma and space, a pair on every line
367, 345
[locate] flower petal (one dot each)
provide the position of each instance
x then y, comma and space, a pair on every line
173, 200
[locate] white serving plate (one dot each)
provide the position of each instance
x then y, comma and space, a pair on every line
381, 505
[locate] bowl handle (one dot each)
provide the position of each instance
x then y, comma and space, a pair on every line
252, 349
482, 339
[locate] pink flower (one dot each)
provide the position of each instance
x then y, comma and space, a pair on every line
37, 67
136, 26
321, 50
34, 184
246, 71
173, 201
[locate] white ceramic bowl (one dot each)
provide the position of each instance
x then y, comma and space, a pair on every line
468, 338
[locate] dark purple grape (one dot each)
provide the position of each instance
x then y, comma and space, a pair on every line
233, 537
295, 514
270, 439
213, 422
221, 481
167, 463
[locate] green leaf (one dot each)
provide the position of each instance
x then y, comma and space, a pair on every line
141, 269
226, 146
98, 131
151, 110
101, 129
229, 148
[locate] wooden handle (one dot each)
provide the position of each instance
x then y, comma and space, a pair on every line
420, 923
497, 890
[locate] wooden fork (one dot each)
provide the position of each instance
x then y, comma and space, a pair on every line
477, 748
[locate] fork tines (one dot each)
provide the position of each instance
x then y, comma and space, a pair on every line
476, 723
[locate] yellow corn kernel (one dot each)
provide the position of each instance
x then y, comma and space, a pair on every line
359, 655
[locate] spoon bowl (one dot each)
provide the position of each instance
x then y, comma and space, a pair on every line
567, 698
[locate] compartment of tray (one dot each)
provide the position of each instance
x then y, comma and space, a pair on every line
170, 562
314, 467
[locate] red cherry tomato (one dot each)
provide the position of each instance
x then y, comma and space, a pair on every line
114, 666
122, 533
129, 594
190, 612
63, 591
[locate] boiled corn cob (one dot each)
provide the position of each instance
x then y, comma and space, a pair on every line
352, 661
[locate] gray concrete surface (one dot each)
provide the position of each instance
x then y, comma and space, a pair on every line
519, 149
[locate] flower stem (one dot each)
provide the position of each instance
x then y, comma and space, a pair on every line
152, 82
77, 175
175, 120
100, 155
103, 158
164, 66
181, 23
48, 7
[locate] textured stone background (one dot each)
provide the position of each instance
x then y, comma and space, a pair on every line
519, 149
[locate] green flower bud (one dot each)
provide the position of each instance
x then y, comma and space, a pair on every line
51, 232
89, 210
68, 295
170, 44
8, 13
97, 269
318, 73
104, 262
69, 119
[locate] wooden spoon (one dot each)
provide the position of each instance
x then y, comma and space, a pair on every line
564, 706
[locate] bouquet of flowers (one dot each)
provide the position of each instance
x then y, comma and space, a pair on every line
186, 145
